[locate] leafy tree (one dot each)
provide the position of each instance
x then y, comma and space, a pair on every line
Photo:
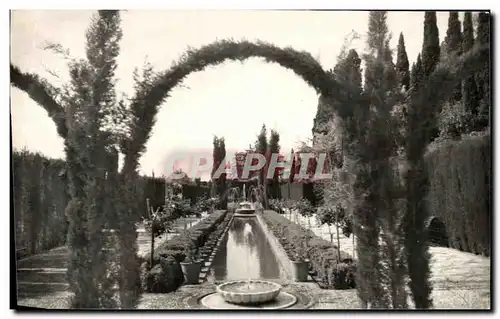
334, 216
454, 120
402, 64
453, 41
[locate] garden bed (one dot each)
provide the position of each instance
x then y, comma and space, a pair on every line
323, 256
166, 274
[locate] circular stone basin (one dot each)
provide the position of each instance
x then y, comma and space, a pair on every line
249, 291
214, 301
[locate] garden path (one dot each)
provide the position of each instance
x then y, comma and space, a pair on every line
41, 278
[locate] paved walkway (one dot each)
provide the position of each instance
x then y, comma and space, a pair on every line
43, 276
461, 277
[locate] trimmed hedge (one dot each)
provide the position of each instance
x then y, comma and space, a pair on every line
194, 192
152, 188
40, 196
460, 191
323, 255
165, 275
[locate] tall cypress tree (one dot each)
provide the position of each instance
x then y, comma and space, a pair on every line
261, 147
453, 41
217, 160
430, 54
92, 92
430, 48
222, 180
469, 86
402, 64
453, 37
416, 247
483, 76
274, 148
82, 108
380, 264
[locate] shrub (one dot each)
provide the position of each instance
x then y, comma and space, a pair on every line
454, 120
277, 205
460, 191
166, 276
321, 253
195, 192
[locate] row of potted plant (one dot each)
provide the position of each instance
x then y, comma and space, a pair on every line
181, 248
195, 256
303, 246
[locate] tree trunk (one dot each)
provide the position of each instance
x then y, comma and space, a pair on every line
353, 246
338, 243
152, 249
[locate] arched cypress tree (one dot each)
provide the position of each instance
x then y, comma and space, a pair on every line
83, 113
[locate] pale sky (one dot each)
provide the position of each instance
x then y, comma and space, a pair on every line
231, 100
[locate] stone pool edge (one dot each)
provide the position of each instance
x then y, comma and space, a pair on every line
277, 249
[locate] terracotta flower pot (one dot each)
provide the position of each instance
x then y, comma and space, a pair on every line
300, 270
191, 272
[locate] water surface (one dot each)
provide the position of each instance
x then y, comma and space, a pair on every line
245, 253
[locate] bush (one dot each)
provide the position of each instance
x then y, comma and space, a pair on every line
166, 276
460, 191
454, 120
322, 254
195, 192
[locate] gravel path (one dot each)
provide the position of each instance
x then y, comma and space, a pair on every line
41, 279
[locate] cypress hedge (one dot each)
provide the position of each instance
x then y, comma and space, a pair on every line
40, 199
460, 191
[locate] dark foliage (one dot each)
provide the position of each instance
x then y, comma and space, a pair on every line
453, 42
40, 199
460, 191
402, 64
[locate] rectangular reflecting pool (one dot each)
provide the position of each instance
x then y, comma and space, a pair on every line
245, 253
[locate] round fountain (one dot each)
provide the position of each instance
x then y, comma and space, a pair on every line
249, 293
245, 209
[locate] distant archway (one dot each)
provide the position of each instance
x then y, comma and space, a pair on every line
436, 232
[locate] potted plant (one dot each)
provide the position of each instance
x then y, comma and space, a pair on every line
300, 262
191, 266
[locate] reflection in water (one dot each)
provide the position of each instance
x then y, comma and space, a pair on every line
245, 253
